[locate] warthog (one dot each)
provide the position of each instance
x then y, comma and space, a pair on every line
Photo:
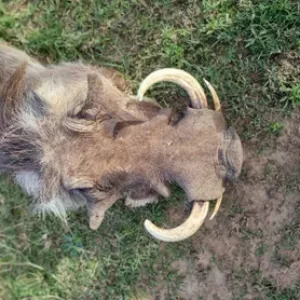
72, 135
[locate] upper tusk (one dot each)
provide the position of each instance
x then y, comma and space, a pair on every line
215, 96
183, 231
180, 77
218, 204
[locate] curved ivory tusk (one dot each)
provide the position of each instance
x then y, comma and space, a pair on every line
182, 78
183, 231
218, 204
214, 94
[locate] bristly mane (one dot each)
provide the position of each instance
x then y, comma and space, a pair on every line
21, 144
19, 149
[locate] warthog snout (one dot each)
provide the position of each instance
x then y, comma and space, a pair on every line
209, 153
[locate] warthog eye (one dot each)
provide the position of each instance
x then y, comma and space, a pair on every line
84, 190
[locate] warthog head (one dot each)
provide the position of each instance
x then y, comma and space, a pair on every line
93, 155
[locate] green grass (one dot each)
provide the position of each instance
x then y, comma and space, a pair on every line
247, 49
75, 262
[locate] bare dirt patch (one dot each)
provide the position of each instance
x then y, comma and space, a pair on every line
252, 244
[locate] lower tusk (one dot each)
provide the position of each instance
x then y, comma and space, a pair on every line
215, 96
183, 231
218, 204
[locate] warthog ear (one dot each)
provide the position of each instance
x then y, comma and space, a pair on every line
12, 93
107, 106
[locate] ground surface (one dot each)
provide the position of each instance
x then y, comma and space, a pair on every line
250, 51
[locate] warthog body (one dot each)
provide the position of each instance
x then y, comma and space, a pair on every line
71, 135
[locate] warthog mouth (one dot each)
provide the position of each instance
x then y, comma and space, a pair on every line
198, 99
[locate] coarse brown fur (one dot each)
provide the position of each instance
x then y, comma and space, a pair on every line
72, 134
